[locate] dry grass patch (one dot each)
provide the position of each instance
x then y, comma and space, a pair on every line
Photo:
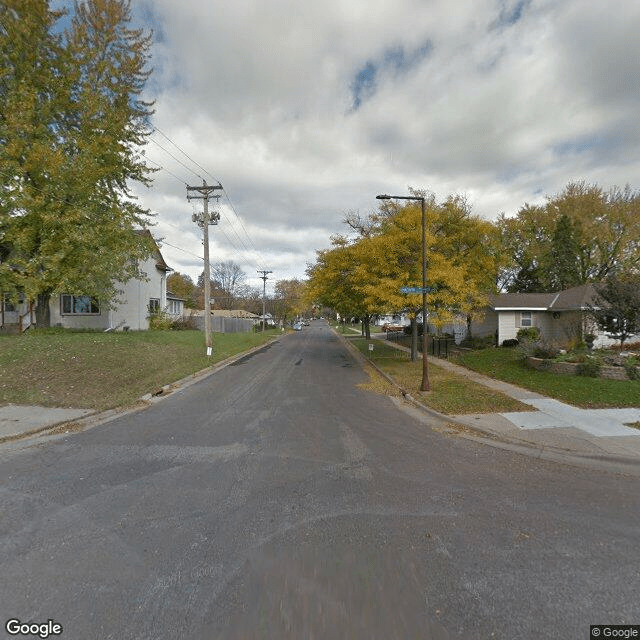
450, 394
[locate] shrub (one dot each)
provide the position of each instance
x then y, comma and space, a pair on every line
478, 343
160, 321
631, 368
525, 349
590, 368
407, 330
546, 350
257, 328
184, 324
529, 333
511, 342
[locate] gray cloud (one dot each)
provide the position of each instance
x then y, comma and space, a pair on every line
307, 110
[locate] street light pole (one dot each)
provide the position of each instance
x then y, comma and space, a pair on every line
425, 367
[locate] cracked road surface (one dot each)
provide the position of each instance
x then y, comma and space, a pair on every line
278, 499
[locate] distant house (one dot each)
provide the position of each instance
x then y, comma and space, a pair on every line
138, 300
559, 316
174, 306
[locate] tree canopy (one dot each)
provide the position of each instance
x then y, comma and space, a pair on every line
581, 235
72, 123
182, 285
616, 307
363, 276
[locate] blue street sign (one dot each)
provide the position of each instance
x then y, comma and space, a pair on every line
416, 290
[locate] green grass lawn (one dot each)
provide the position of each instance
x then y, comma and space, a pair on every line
104, 370
503, 364
450, 394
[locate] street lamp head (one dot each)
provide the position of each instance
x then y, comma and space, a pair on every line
383, 197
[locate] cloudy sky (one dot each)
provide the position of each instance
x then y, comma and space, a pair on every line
305, 111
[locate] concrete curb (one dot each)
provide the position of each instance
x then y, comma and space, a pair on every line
610, 463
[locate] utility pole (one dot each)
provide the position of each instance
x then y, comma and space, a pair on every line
204, 220
264, 293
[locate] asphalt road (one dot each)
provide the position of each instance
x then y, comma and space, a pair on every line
277, 499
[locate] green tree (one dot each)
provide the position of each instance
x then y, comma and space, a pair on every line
581, 235
73, 124
564, 254
616, 307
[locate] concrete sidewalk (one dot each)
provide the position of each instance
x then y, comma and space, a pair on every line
592, 434
20, 420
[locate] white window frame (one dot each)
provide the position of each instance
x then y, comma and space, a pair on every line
526, 319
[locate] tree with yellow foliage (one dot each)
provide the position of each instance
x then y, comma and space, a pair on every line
365, 276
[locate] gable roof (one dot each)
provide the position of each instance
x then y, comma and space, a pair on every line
576, 298
161, 265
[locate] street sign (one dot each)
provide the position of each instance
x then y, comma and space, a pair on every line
416, 290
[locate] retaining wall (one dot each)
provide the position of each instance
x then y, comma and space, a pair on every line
570, 368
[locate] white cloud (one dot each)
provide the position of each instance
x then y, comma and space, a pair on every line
307, 110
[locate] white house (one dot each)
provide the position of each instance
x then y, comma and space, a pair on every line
139, 298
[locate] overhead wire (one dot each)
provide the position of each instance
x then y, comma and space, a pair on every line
247, 249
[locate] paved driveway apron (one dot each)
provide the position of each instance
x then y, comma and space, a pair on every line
278, 499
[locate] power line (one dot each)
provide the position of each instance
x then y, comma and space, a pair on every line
181, 249
165, 169
176, 159
255, 248
164, 135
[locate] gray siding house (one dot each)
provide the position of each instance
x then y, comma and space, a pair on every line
559, 316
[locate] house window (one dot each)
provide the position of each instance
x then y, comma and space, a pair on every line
8, 305
11, 305
80, 305
173, 307
526, 319
154, 305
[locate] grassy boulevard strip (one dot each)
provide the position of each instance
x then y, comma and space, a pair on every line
452, 394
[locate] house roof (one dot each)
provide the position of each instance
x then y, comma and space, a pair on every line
160, 263
568, 300
527, 301
575, 298
232, 313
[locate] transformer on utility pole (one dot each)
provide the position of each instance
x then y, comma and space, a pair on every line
204, 220
264, 293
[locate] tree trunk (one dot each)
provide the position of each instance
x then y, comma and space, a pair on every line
43, 312
367, 327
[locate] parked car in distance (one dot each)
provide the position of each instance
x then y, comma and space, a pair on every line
297, 326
